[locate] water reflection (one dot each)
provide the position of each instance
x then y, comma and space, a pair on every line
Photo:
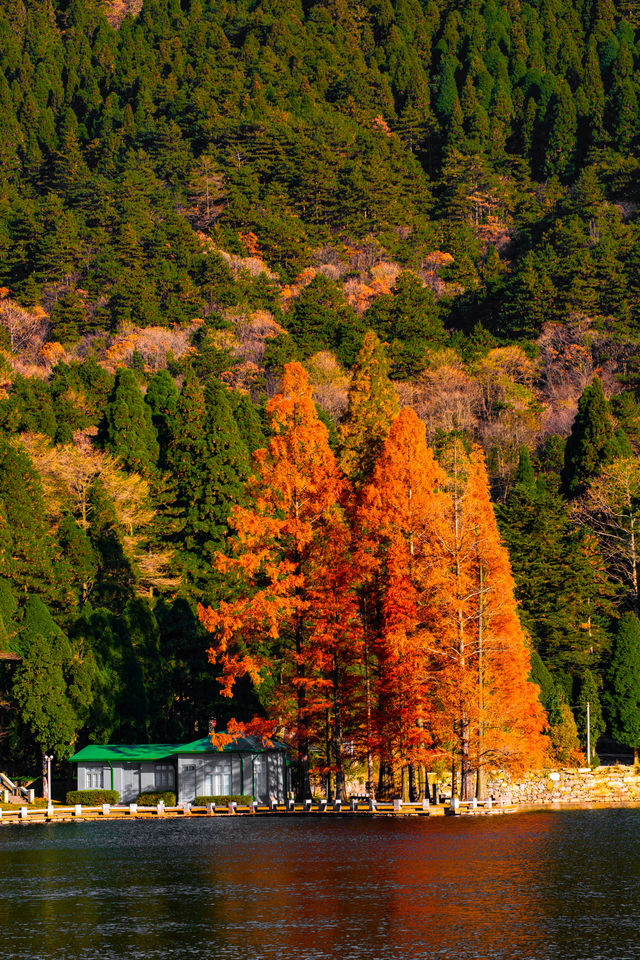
528, 887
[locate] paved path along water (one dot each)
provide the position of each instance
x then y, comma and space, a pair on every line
527, 887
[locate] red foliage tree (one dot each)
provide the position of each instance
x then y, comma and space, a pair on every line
295, 620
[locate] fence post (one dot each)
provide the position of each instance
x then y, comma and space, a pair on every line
105, 809
77, 810
397, 805
24, 813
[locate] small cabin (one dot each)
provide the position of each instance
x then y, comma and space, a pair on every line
245, 766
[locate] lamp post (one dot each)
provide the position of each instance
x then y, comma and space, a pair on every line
46, 775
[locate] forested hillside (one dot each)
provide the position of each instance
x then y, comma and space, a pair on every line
194, 195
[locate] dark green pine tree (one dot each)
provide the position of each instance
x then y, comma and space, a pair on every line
247, 417
162, 399
109, 717
592, 91
447, 94
146, 683
563, 127
623, 680
126, 429
114, 579
541, 676
591, 443
53, 684
561, 585
27, 551
9, 632
209, 464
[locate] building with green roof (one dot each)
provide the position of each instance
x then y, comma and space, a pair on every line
245, 766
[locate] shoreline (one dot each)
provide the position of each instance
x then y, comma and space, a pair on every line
96, 814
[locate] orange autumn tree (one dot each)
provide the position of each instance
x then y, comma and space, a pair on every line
487, 705
294, 622
400, 555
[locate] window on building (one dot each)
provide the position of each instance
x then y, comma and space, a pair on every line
164, 775
94, 778
218, 782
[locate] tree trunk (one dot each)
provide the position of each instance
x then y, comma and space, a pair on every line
385, 779
480, 784
46, 788
337, 736
413, 787
480, 777
370, 783
329, 778
466, 775
304, 780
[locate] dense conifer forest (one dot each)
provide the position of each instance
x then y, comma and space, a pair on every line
424, 216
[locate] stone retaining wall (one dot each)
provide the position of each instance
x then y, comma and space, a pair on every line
603, 785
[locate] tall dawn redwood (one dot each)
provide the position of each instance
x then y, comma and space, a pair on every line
399, 557
485, 695
294, 623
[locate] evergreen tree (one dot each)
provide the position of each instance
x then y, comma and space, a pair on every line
208, 464
624, 684
563, 591
27, 551
126, 429
53, 684
162, 399
591, 443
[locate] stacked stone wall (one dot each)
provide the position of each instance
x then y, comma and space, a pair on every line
602, 785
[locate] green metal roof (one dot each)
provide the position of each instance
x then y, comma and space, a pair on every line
108, 752
248, 744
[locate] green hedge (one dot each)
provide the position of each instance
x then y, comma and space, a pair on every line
222, 801
92, 798
153, 797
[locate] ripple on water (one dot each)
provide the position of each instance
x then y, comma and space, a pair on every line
537, 886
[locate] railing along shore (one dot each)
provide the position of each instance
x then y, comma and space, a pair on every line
24, 814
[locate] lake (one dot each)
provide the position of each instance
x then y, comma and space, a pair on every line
531, 886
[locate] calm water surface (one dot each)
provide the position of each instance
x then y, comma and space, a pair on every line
542, 886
